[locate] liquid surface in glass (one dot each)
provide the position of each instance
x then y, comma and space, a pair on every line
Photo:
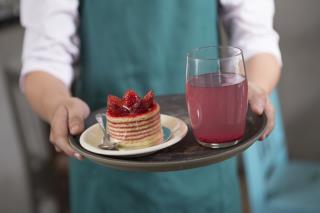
217, 105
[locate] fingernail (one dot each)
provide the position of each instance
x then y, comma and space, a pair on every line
78, 156
74, 129
259, 107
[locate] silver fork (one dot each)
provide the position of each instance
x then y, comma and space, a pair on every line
106, 143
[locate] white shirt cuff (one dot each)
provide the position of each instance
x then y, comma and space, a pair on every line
254, 46
63, 72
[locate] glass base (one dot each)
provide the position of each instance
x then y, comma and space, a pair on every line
218, 145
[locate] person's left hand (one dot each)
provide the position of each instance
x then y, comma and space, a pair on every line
259, 103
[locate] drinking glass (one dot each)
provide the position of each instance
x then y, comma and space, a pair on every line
216, 94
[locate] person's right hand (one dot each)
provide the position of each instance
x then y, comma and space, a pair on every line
68, 118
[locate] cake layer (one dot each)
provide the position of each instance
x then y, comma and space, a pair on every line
141, 143
134, 128
134, 118
135, 135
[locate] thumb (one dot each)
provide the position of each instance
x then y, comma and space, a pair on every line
257, 105
76, 124
77, 112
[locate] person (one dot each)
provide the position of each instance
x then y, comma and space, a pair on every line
140, 45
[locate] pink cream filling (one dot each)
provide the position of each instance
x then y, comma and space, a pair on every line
138, 135
134, 129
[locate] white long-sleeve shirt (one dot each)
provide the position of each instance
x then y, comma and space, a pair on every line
51, 43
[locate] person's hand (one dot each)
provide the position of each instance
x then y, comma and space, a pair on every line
260, 102
68, 118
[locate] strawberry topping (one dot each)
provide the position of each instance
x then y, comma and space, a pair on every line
130, 104
148, 100
130, 98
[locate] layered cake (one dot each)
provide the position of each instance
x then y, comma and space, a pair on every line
134, 122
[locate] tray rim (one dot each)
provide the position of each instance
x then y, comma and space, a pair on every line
132, 165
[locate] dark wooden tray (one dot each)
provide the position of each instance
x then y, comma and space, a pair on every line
186, 154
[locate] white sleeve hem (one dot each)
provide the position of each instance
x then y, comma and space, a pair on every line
251, 53
62, 72
259, 46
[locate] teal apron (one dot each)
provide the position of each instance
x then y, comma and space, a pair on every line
142, 45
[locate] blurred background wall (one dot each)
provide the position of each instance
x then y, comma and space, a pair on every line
298, 23
24, 156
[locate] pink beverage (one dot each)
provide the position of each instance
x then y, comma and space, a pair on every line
217, 105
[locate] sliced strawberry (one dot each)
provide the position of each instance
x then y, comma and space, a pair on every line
115, 106
130, 104
138, 108
113, 100
128, 93
148, 100
118, 111
130, 98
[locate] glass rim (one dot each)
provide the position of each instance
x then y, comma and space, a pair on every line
192, 51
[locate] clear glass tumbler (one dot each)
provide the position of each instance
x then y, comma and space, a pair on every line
216, 94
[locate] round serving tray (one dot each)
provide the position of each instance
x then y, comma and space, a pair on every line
185, 154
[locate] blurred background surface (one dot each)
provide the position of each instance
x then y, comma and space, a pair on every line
29, 170
298, 23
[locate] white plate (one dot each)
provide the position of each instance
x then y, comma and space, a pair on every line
91, 138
